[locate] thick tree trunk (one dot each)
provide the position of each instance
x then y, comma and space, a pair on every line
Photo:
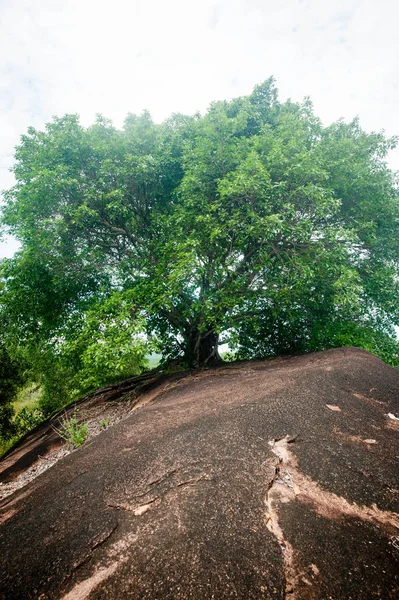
202, 348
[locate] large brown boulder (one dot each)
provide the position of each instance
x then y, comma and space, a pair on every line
273, 479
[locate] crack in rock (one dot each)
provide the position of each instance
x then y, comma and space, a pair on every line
162, 478
281, 490
290, 484
194, 480
136, 510
103, 537
141, 509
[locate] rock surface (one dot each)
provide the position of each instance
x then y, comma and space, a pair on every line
273, 479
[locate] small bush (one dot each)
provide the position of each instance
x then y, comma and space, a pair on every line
72, 431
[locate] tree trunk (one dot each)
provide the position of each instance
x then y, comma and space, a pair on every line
202, 348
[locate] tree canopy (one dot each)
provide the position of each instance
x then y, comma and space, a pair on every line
254, 224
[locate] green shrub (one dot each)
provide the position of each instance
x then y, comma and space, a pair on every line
72, 431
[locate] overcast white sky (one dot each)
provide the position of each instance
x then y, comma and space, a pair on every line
96, 56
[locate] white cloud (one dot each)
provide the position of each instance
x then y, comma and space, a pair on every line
90, 56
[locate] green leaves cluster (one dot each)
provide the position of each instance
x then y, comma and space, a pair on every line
109, 346
102, 345
252, 223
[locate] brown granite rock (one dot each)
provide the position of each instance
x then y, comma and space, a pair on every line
237, 482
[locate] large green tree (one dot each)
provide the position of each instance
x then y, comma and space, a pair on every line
253, 222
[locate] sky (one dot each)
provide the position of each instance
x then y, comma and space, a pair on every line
96, 56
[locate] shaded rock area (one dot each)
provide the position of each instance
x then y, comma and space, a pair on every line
235, 482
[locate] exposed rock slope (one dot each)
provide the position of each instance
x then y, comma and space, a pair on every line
274, 479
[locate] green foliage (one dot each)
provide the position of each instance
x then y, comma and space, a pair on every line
6, 427
229, 356
55, 378
15, 424
12, 376
253, 223
360, 335
27, 419
109, 346
106, 345
28, 395
100, 346
72, 431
